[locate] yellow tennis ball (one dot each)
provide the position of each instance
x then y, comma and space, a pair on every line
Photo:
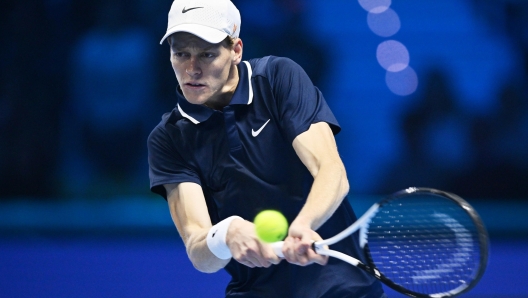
271, 226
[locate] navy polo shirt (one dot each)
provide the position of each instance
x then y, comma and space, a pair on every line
244, 161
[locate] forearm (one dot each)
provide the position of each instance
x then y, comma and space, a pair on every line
328, 190
200, 255
318, 151
189, 213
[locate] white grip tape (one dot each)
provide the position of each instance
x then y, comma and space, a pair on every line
216, 238
277, 248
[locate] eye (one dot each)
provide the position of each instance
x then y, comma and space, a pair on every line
180, 54
208, 55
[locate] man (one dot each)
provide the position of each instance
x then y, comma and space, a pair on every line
245, 137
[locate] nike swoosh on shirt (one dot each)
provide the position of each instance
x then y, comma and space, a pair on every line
186, 10
256, 133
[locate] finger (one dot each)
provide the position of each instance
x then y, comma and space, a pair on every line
249, 258
255, 262
260, 261
302, 246
317, 258
288, 250
268, 253
247, 263
273, 259
264, 262
300, 251
297, 253
303, 260
263, 256
313, 256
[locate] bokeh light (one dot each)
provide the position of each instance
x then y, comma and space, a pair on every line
375, 6
392, 55
384, 24
403, 82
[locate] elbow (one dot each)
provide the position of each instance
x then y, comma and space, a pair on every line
203, 268
204, 261
344, 185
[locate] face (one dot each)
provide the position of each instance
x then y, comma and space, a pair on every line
206, 72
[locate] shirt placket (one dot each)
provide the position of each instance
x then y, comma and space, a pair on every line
233, 137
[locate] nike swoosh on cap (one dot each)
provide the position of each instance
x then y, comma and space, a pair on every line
186, 10
256, 133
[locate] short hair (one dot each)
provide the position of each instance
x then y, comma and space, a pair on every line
230, 41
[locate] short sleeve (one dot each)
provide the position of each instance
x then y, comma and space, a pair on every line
299, 102
166, 163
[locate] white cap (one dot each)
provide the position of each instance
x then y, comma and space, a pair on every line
211, 20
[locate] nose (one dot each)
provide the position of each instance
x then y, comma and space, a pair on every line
193, 68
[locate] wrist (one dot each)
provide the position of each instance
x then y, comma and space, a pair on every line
216, 238
302, 222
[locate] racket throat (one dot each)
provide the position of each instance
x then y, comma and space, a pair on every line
370, 270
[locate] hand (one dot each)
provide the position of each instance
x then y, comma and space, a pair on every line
297, 247
246, 247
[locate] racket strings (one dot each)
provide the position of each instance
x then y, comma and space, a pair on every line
430, 247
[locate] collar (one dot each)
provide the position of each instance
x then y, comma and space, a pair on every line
243, 96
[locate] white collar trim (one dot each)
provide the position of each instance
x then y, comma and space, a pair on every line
249, 74
187, 115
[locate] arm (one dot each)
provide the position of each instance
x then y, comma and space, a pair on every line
190, 215
318, 151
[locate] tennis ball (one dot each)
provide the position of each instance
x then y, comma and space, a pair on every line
271, 226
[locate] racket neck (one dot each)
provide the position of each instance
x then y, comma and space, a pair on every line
362, 223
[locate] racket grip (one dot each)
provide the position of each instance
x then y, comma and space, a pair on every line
277, 248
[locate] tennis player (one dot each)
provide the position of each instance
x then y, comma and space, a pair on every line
246, 136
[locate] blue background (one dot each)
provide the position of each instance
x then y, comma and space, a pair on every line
83, 82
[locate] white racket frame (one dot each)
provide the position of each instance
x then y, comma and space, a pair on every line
321, 247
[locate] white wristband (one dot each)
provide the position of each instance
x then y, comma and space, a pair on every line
216, 238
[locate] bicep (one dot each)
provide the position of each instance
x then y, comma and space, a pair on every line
317, 147
188, 208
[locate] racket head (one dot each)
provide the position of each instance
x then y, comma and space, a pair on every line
425, 242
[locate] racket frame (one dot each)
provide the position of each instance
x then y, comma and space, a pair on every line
362, 224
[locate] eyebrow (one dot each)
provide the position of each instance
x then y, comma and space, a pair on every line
180, 47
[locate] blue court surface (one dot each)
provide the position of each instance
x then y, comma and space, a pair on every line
95, 258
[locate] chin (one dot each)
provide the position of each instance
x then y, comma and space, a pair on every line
195, 100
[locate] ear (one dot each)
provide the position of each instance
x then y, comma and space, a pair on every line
237, 50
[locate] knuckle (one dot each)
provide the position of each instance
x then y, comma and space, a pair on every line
237, 256
303, 263
249, 250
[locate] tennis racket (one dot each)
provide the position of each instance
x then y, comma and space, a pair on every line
421, 242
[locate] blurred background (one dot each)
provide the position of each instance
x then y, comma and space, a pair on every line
428, 93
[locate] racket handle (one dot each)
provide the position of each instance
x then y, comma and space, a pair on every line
277, 248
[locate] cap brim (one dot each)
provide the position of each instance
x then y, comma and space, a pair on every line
208, 34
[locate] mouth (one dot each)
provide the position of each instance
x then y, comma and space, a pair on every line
194, 85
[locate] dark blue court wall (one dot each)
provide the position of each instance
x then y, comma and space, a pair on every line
427, 93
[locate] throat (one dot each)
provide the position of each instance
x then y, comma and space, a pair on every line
220, 103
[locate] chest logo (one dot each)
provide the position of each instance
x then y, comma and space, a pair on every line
256, 133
